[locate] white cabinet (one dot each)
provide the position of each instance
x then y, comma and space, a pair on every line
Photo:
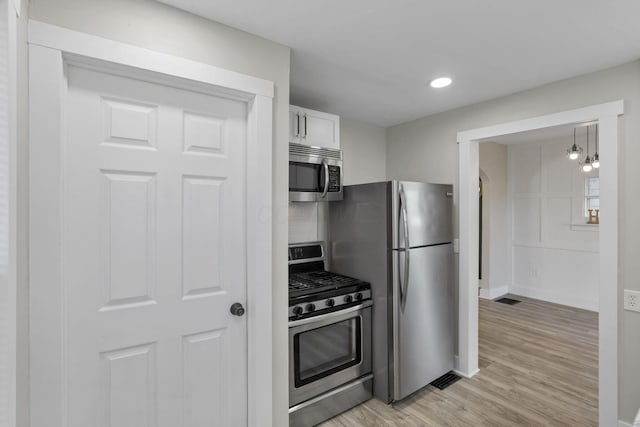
314, 128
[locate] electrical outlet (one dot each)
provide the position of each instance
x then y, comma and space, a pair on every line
456, 246
632, 300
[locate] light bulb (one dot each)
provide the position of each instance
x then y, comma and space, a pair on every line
574, 152
440, 82
596, 161
587, 167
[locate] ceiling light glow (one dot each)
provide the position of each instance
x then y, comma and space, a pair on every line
440, 82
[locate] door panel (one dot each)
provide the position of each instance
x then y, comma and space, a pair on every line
153, 254
424, 335
429, 213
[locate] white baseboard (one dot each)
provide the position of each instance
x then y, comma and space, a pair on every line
456, 368
625, 424
493, 293
571, 301
462, 374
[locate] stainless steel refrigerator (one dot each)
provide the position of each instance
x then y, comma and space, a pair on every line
398, 236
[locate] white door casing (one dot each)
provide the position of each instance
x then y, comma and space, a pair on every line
607, 117
147, 223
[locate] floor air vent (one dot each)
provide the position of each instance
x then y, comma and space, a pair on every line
508, 301
445, 381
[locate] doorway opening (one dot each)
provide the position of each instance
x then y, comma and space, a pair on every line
607, 117
543, 263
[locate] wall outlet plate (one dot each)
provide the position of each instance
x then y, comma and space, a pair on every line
456, 246
632, 300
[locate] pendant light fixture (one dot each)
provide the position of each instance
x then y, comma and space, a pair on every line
596, 157
574, 152
586, 165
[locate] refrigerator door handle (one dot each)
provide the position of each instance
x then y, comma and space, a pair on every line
404, 284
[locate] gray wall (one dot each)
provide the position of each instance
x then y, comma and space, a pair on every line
364, 149
162, 28
495, 238
426, 150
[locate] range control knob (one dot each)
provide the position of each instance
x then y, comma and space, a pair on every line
348, 299
311, 307
359, 296
330, 302
297, 310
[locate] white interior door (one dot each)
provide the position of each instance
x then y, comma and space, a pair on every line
153, 254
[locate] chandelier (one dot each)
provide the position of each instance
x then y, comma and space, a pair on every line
588, 163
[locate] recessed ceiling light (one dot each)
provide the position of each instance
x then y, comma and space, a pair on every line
440, 82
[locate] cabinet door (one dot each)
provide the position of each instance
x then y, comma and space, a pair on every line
294, 124
319, 129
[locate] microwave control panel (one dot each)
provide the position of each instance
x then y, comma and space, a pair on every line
334, 178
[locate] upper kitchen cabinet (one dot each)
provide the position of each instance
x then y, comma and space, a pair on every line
314, 128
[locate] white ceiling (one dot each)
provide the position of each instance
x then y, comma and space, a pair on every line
372, 60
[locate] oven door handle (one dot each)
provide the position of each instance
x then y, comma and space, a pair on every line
331, 315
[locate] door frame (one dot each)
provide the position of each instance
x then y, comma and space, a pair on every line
50, 49
607, 116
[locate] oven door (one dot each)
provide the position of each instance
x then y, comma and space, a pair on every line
328, 351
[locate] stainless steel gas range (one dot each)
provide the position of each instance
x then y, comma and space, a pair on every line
329, 338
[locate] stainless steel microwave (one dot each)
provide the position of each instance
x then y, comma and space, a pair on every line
315, 174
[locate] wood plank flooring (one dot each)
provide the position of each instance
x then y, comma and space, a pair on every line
538, 367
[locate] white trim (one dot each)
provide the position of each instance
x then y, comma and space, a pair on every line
8, 281
49, 51
593, 228
607, 116
16, 7
576, 116
493, 293
89, 46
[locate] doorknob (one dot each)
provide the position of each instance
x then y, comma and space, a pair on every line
237, 309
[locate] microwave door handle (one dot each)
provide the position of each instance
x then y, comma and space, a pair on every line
325, 165
404, 284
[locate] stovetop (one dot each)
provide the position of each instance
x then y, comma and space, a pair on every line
318, 281
309, 280
313, 290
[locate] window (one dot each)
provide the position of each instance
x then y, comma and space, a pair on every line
591, 194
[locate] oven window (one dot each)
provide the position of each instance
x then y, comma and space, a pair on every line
326, 350
305, 177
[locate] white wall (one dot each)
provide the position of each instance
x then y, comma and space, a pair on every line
155, 26
554, 253
364, 160
496, 270
426, 150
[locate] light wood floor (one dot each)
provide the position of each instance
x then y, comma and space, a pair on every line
538, 367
